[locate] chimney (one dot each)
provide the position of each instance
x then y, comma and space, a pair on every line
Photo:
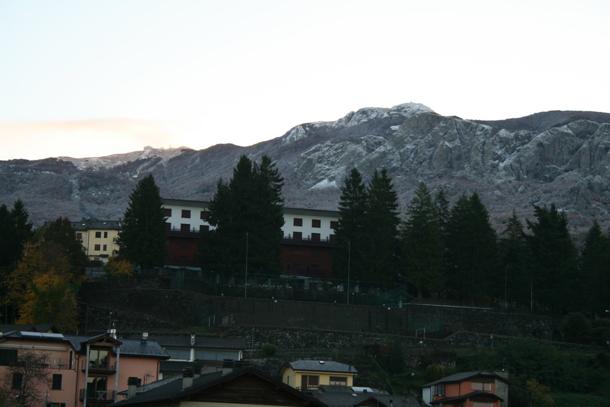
132, 386
144, 336
193, 339
187, 378
112, 333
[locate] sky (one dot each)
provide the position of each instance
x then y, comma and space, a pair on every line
85, 78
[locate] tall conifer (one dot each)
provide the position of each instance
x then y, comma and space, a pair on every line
595, 270
142, 237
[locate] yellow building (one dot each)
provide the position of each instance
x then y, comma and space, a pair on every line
310, 374
98, 237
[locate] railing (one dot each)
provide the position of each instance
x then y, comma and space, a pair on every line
101, 395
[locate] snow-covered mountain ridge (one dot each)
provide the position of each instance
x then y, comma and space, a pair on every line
550, 157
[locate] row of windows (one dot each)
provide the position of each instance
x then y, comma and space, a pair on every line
312, 381
315, 223
17, 382
185, 227
186, 214
97, 247
98, 235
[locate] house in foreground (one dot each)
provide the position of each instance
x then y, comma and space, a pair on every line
239, 387
71, 371
344, 396
310, 374
468, 389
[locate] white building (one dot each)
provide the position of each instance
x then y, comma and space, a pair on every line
186, 215
299, 223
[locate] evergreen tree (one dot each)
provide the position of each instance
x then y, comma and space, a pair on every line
443, 214
422, 244
62, 236
515, 261
350, 233
8, 239
142, 237
554, 260
246, 211
595, 270
23, 226
472, 250
381, 223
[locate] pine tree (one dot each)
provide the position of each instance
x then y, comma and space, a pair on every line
595, 270
62, 236
23, 226
554, 258
472, 251
246, 211
142, 237
350, 233
381, 223
422, 244
515, 261
8, 239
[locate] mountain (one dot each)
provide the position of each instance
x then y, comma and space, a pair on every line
560, 157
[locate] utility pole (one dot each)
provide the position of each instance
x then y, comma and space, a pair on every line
246, 269
349, 258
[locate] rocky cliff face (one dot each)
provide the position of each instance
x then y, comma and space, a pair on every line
553, 157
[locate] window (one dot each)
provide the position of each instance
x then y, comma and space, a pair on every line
104, 247
186, 213
309, 382
315, 237
315, 223
98, 235
96, 247
8, 357
204, 228
105, 235
297, 222
167, 212
481, 386
79, 236
334, 224
338, 381
438, 389
56, 404
185, 227
205, 215
17, 381
297, 235
98, 358
56, 384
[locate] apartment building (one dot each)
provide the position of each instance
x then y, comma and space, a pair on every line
98, 237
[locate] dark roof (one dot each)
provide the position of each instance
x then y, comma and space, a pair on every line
208, 342
322, 366
343, 396
172, 389
87, 224
307, 211
28, 327
478, 395
185, 202
461, 376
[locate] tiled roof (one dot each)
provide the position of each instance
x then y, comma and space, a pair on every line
458, 377
343, 396
88, 224
173, 391
322, 366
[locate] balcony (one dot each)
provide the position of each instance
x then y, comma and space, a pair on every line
101, 367
98, 397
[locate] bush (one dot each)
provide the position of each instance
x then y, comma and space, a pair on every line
268, 350
575, 327
119, 269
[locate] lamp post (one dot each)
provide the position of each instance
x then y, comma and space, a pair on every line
246, 269
349, 258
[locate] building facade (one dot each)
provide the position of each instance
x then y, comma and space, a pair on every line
79, 371
98, 237
311, 374
467, 389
